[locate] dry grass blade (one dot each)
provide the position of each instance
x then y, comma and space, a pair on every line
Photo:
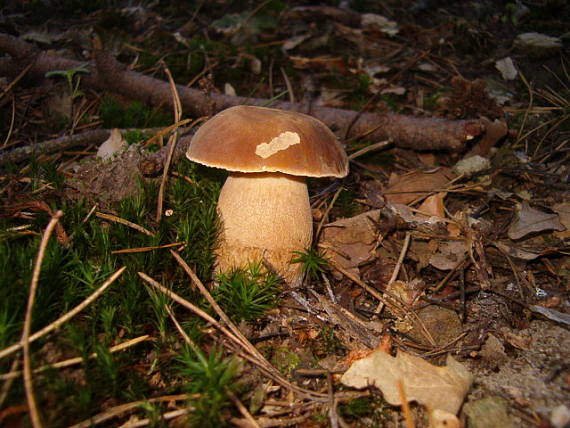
124, 222
243, 340
164, 417
326, 213
243, 410
66, 317
186, 338
370, 148
250, 352
145, 249
391, 302
124, 408
16, 80
172, 140
408, 417
258, 358
230, 394
13, 374
8, 385
28, 384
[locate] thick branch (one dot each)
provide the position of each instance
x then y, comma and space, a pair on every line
107, 74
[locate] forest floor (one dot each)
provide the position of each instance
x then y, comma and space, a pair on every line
436, 291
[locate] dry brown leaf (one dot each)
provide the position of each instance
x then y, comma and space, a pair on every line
403, 189
563, 211
407, 291
449, 255
434, 205
350, 242
442, 388
531, 220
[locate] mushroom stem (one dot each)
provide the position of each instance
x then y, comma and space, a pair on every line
265, 216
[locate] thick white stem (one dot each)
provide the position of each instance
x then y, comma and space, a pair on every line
264, 216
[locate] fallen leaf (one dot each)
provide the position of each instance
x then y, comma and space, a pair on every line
434, 205
403, 189
531, 220
516, 251
442, 388
507, 68
563, 211
349, 242
551, 314
449, 255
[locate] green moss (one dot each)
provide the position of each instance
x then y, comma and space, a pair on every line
125, 310
285, 359
134, 115
210, 376
246, 294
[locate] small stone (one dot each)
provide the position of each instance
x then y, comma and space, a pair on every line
472, 165
490, 412
493, 351
442, 324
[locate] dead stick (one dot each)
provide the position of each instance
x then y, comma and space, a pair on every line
32, 404
96, 136
108, 74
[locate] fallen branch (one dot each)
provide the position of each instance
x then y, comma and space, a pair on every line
109, 75
95, 136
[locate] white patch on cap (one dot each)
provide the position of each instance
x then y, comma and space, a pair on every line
281, 142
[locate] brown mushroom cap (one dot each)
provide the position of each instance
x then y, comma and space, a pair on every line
259, 139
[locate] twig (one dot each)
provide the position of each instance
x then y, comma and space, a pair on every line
15, 81
12, 121
107, 74
242, 409
96, 136
401, 258
123, 408
145, 249
203, 290
394, 304
8, 384
165, 416
288, 85
64, 318
370, 148
326, 213
28, 384
181, 330
397, 268
251, 353
124, 222
13, 374
172, 140
408, 417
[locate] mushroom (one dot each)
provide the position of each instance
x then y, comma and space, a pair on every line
264, 203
